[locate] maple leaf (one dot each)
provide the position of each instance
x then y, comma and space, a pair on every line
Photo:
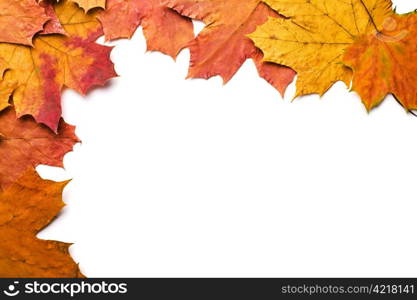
55, 61
384, 62
222, 46
20, 20
90, 4
164, 29
53, 26
24, 144
26, 207
6, 88
314, 35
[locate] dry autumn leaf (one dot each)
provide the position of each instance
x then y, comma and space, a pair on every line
20, 20
53, 25
55, 61
222, 46
385, 62
90, 4
26, 207
6, 88
314, 35
24, 144
164, 29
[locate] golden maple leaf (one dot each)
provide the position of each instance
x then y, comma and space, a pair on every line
26, 207
314, 35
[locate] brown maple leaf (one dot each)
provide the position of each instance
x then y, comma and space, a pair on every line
20, 20
165, 30
24, 144
222, 46
26, 207
40, 72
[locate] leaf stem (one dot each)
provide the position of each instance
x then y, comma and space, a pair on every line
370, 16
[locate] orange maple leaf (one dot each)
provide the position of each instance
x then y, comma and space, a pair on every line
55, 61
385, 61
26, 207
20, 20
24, 144
222, 46
165, 30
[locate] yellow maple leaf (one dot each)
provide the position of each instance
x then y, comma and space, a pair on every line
314, 35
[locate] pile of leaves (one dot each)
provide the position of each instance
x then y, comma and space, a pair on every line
49, 45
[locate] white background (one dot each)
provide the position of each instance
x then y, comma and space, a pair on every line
191, 178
